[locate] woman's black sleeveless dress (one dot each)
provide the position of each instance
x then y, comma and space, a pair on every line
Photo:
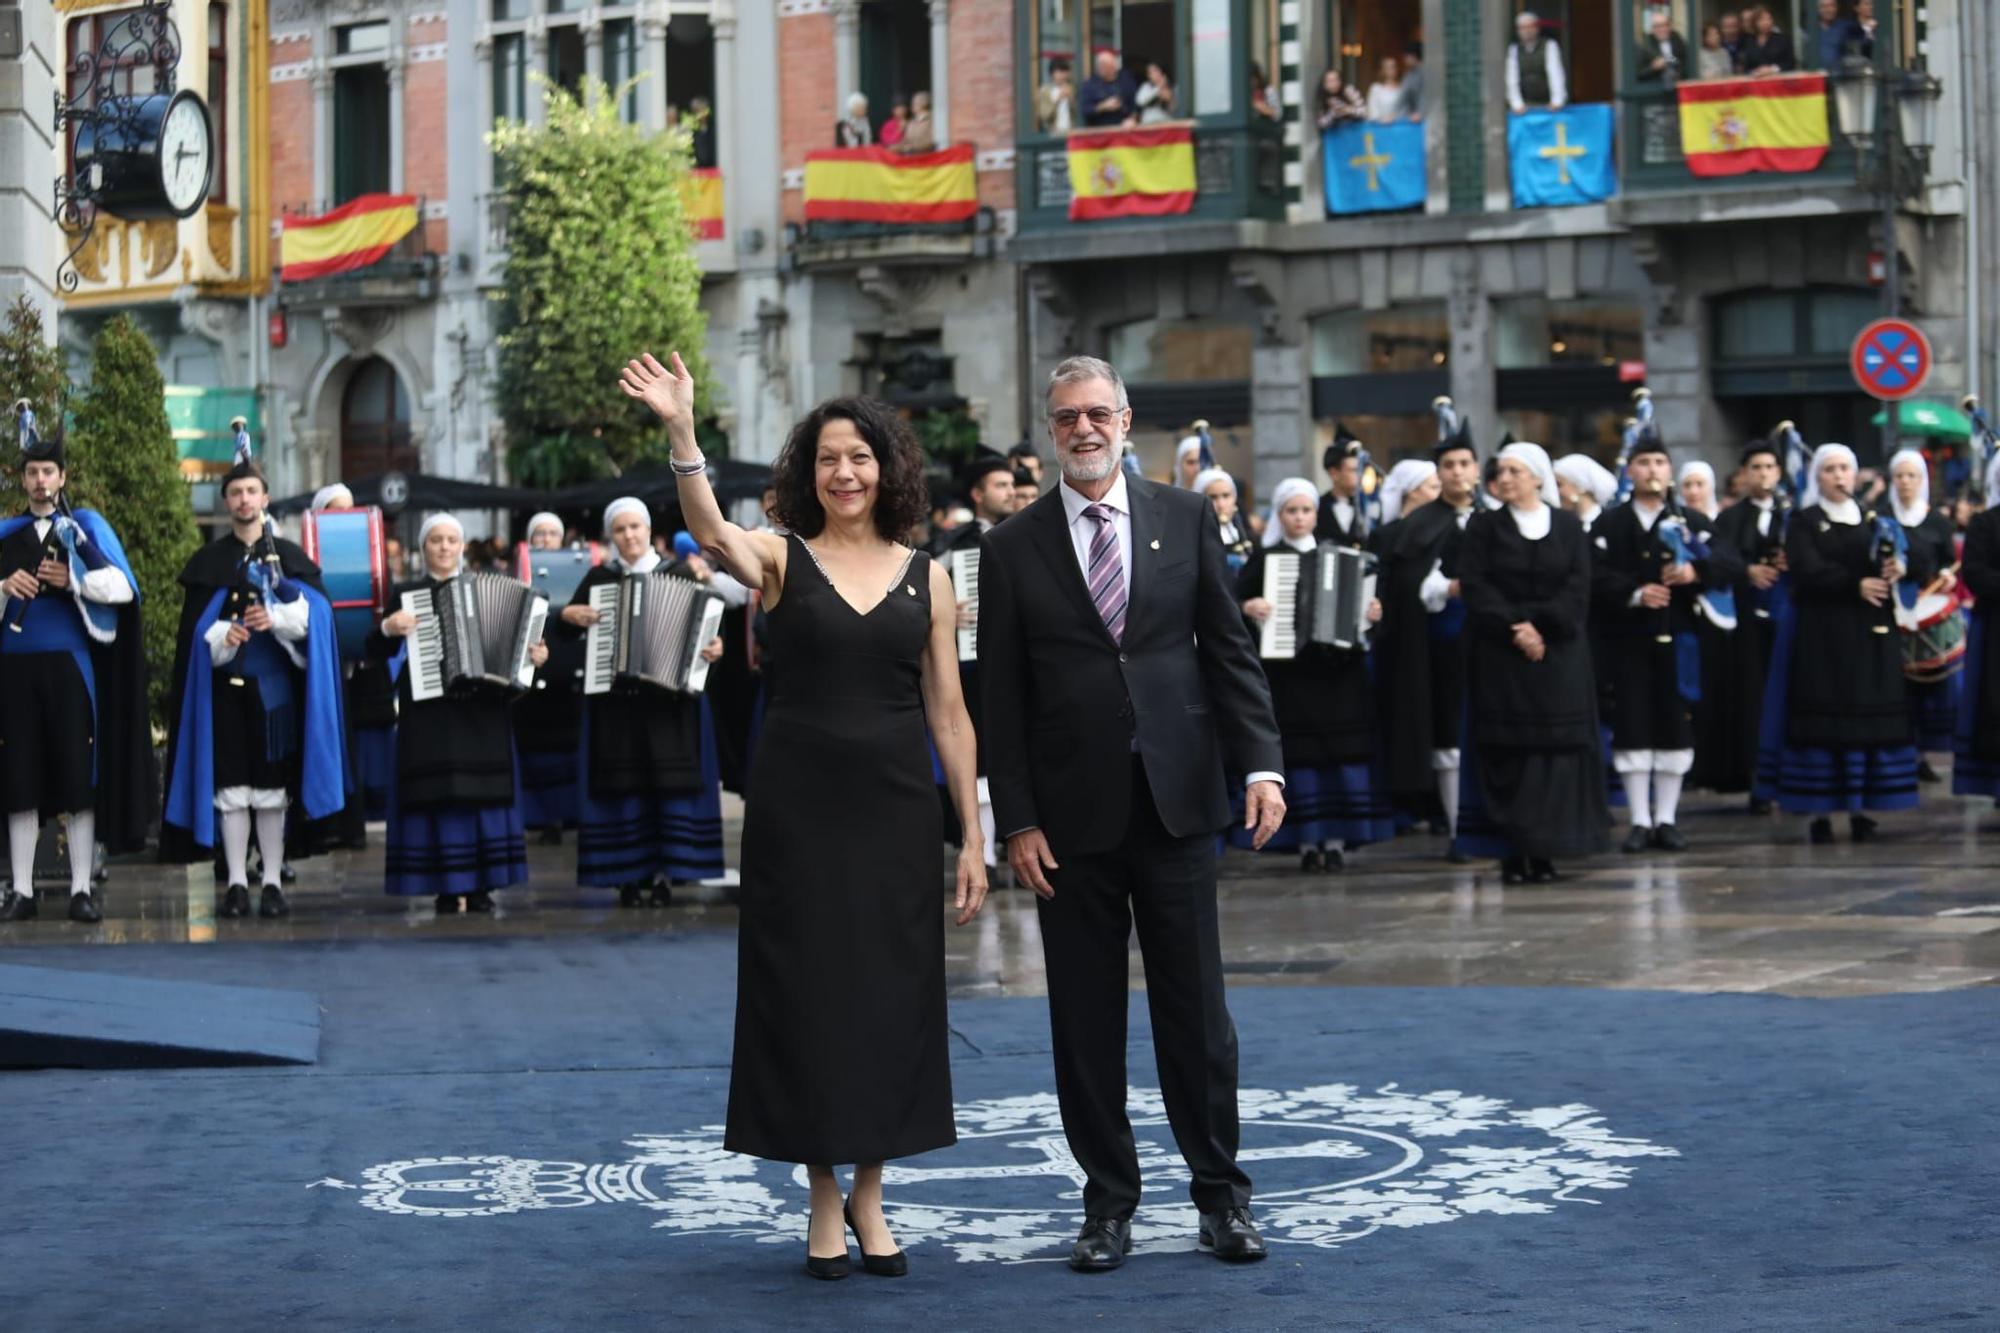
841, 1040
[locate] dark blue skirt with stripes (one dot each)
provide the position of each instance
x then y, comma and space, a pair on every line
455, 849
1816, 780
1934, 711
1349, 802
548, 789
375, 768
1972, 775
631, 839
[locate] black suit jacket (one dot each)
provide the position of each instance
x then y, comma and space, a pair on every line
1069, 705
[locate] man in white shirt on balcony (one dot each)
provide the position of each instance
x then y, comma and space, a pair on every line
1534, 68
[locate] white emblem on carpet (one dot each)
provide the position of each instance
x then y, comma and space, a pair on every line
1331, 1164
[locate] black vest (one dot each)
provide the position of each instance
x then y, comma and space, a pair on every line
1532, 69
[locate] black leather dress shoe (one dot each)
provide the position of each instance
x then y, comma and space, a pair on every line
1102, 1244
1543, 872
1638, 840
1513, 870
236, 902
286, 874
1862, 828
17, 907
661, 894
1232, 1235
271, 903
1820, 832
83, 907
1312, 861
1669, 839
1332, 861
481, 901
631, 895
878, 1265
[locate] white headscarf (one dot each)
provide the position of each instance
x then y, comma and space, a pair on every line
1536, 460
324, 496
1916, 514
438, 520
1697, 468
1819, 457
1405, 477
1288, 489
544, 517
1589, 476
1208, 476
1190, 445
625, 504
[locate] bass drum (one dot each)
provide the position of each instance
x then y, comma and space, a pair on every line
1933, 638
349, 548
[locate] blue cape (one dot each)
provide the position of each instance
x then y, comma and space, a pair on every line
323, 764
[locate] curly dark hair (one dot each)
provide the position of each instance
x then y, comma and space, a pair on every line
902, 499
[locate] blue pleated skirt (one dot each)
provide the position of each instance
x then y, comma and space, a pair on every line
1814, 780
375, 768
630, 839
455, 849
1971, 775
1934, 711
548, 789
1345, 801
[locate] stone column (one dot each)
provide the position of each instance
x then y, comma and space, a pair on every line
1470, 316
940, 65
322, 87
653, 62
395, 68
30, 158
1281, 429
538, 63
592, 27
482, 52
847, 54
722, 24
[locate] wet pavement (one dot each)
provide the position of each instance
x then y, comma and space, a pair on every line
1748, 907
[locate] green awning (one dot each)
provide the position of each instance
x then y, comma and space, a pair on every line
1932, 420
200, 420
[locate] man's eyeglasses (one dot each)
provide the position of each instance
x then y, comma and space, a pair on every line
1064, 419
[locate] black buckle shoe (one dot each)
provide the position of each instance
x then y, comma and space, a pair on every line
1638, 840
1668, 838
271, 903
18, 907
481, 901
1232, 1235
83, 907
236, 902
1102, 1244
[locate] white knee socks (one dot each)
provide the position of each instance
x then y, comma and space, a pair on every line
1447, 780
271, 842
23, 828
1638, 795
236, 845
1667, 795
82, 850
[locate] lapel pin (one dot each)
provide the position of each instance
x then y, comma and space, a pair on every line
1156, 543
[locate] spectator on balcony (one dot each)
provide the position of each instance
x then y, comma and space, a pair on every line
1413, 81
1339, 103
1055, 101
703, 116
1111, 95
1156, 96
1714, 61
1663, 53
920, 131
854, 131
891, 134
1534, 67
1263, 97
1385, 95
1838, 34
1730, 26
1864, 19
1769, 51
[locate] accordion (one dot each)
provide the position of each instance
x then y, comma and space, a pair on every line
650, 630
473, 630
963, 566
1317, 596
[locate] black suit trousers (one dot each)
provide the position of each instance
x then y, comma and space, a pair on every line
1167, 886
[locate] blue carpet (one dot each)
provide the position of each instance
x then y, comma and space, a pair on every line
524, 1134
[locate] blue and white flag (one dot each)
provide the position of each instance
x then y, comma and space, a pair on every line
1374, 168
1561, 157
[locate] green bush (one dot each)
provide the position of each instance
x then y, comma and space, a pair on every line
30, 369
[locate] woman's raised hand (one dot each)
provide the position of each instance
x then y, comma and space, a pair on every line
669, 392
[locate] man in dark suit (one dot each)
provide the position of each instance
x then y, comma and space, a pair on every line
1109, 628
1339, 508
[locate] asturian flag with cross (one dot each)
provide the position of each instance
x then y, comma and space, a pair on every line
1374, 168
1561, 157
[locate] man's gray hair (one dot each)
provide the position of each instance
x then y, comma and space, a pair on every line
1078, 369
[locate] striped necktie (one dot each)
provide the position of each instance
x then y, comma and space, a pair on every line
1106, 575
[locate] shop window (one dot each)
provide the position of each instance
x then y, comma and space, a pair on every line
1403, 339
1537, 332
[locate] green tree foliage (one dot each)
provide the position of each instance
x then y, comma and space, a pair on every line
948, 439
122, 463
600, 266
30, 369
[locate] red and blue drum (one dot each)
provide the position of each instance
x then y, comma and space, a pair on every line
1933, 637
348, 547
556, 574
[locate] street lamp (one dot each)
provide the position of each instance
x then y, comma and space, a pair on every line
1858, 91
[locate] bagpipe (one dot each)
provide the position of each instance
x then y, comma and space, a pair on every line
261, 580
1637, 427
66, 543
1684, 545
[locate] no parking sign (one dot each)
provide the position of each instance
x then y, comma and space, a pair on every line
1891, 359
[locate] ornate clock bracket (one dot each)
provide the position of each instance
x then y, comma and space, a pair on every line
145, 35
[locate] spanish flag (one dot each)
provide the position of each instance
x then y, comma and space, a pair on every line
1131, 173
1774, 123
352, 236
701, 197
877, 185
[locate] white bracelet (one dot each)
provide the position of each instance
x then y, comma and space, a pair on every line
694, 469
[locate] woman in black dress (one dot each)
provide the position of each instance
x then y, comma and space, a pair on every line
1532, 780
1933, 546
1976, 766
841, 1051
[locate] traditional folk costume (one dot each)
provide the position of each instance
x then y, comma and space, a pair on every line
455, 828
1653, 655
1836, 725
1340, 518
1933, 549
1532, 785
546, 725
256, 726
967, 537
73, 735
1326, 720
1733, 679
1976, 748
370, 711
651, 804
1237, 543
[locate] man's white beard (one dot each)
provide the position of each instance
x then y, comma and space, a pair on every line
1084, 469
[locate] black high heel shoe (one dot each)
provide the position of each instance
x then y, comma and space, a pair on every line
835, 1268
880, 1265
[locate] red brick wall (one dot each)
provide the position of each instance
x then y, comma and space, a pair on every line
808, 102
982, 87
289, 179
425, 172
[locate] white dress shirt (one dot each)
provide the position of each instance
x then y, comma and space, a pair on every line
107, 586
1763, 516
1083, 531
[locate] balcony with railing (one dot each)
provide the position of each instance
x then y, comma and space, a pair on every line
864, 206
375, 250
